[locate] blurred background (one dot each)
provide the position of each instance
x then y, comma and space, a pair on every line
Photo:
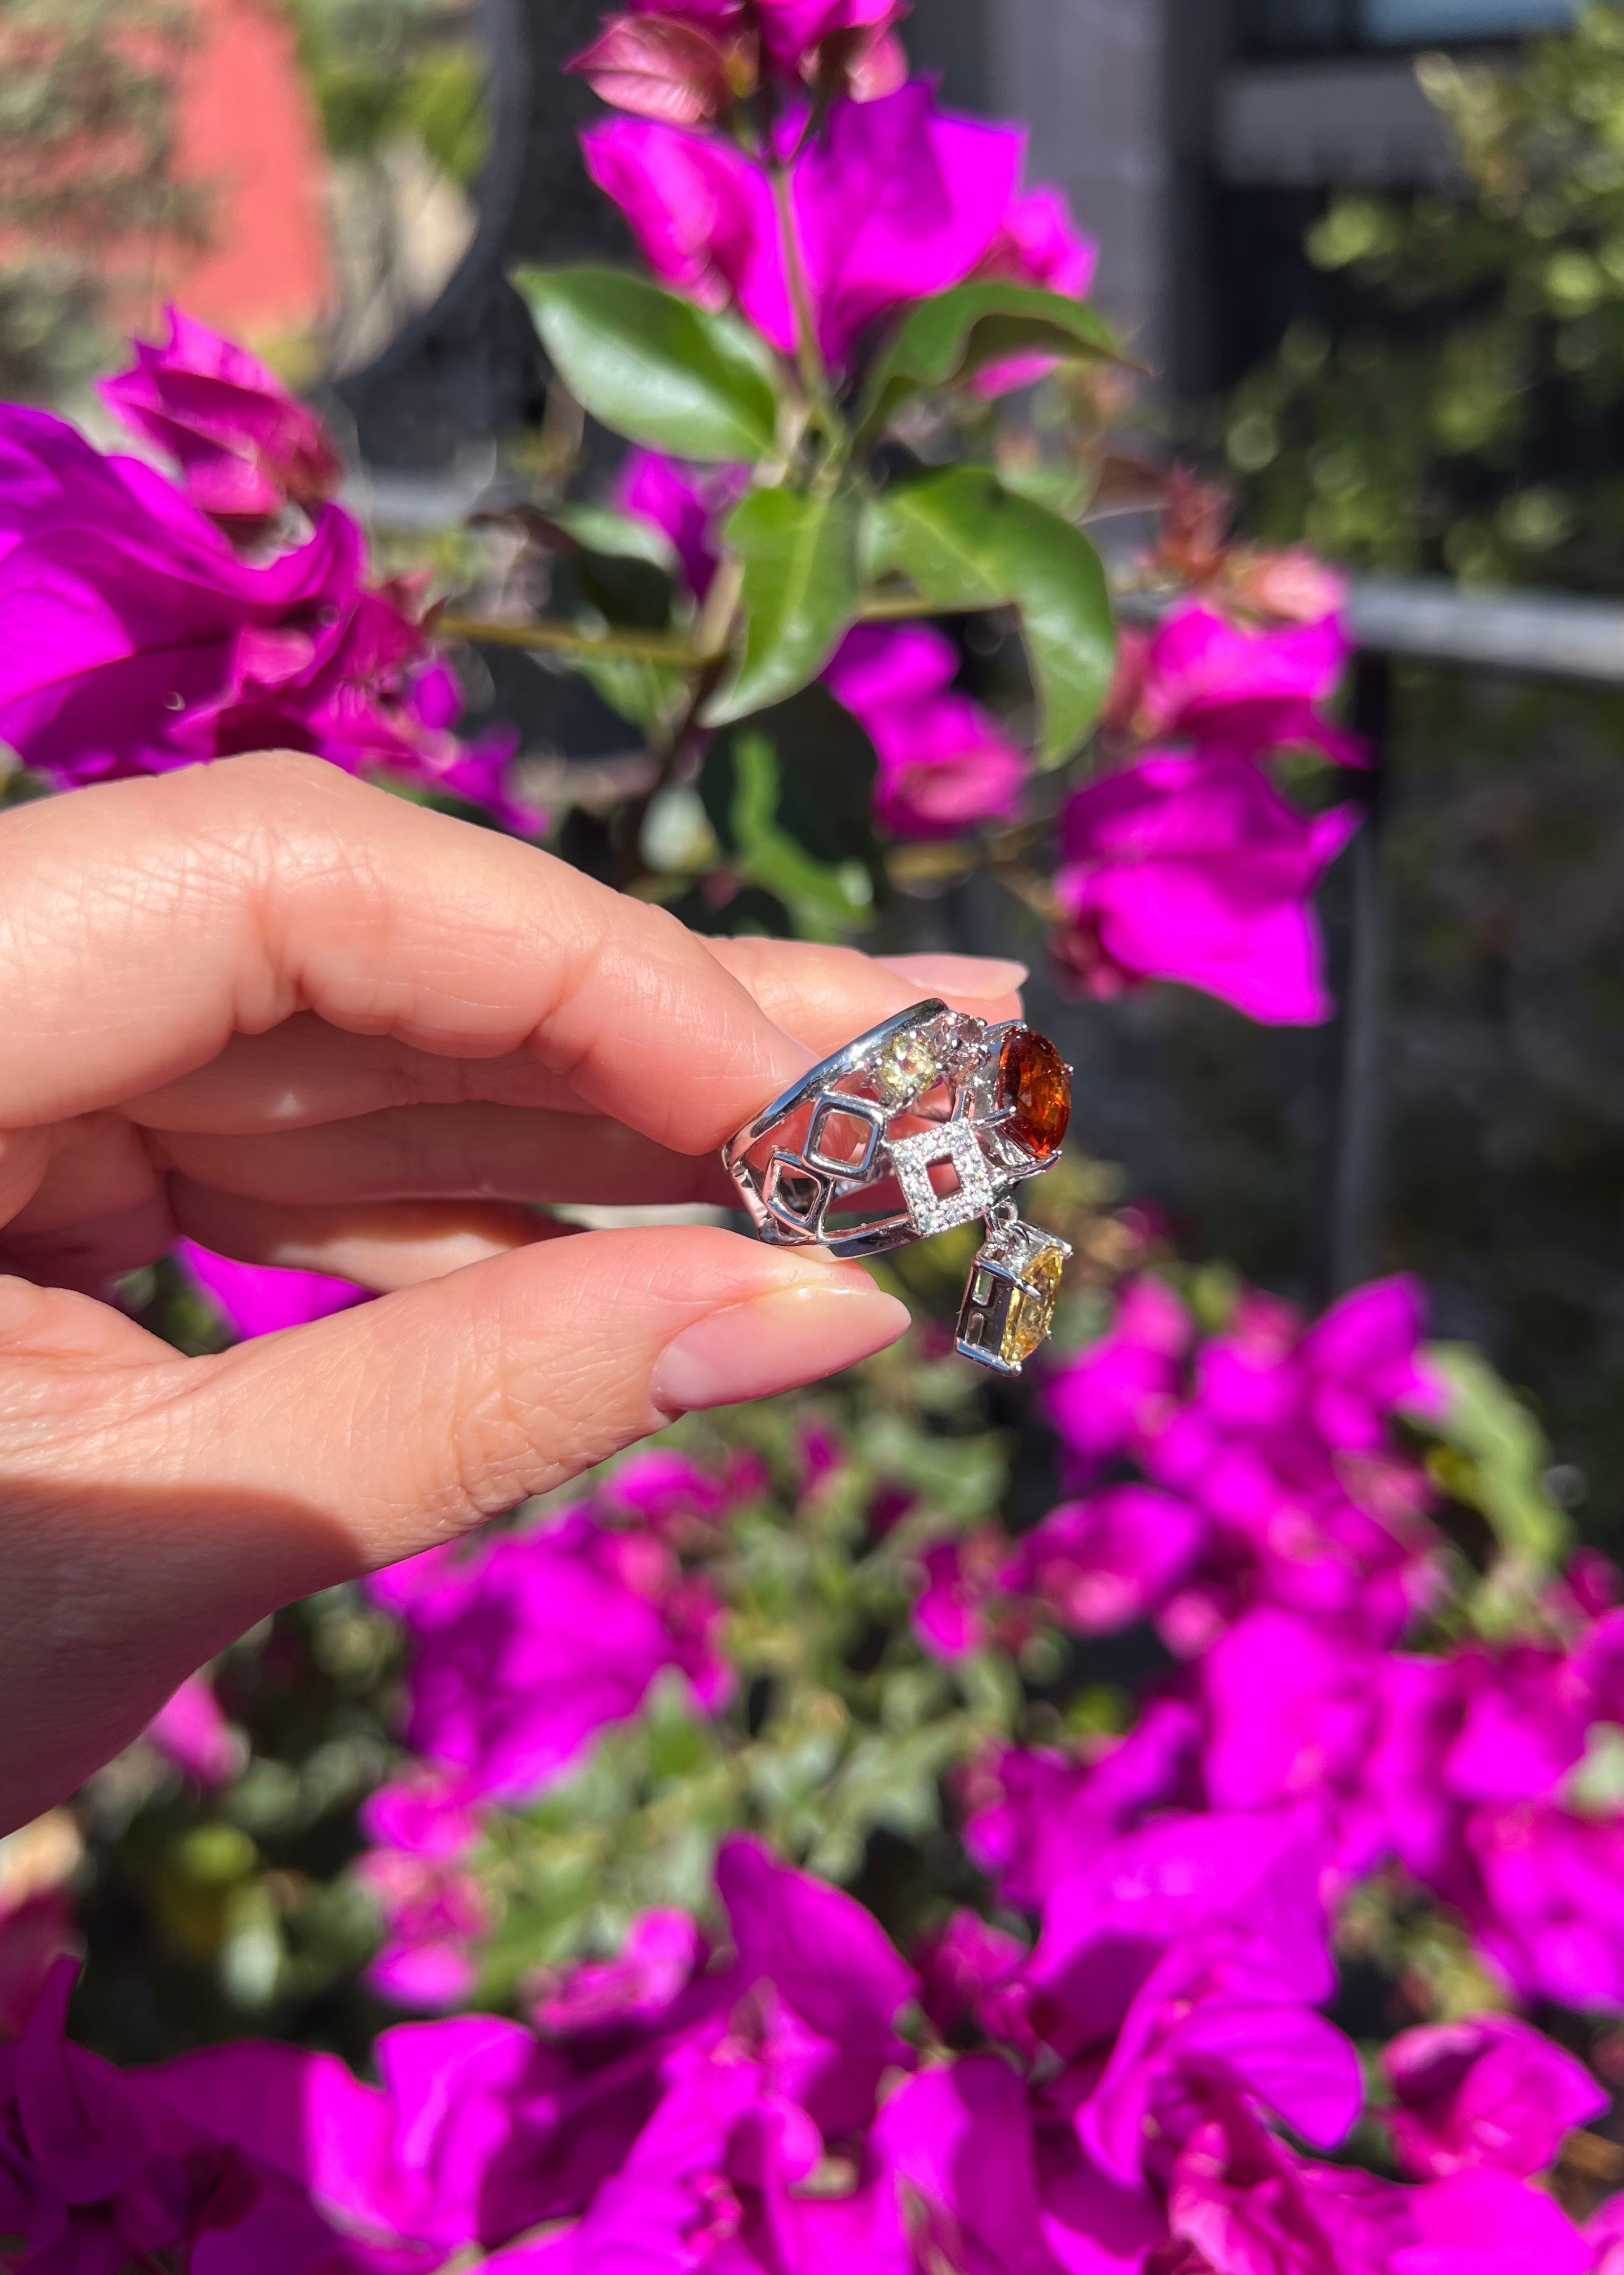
1373, 253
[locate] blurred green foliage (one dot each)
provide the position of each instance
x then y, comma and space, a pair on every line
1471, 417
382, 70
87, 150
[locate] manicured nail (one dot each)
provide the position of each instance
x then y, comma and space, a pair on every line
776, 1342
975, 976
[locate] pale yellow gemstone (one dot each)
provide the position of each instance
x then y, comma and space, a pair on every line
1031, 1307
907, 1066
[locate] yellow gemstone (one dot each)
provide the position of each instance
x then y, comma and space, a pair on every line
1031, 1307
907, 1066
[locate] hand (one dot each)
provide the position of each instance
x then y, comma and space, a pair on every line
310, 1024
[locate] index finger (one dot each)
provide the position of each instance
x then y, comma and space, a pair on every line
144, 924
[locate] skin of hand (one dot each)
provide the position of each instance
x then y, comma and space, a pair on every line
310, 1024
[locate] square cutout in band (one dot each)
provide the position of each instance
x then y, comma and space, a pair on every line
955, 1145
835, 1119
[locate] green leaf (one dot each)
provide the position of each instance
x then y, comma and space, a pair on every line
965, 542
800, 593
1500, 1457
827, 767
643, 694
827, 901
957, 334
619, 536
656, 368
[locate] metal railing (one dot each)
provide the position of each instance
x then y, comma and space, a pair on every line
1393, 620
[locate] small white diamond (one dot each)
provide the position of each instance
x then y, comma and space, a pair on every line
913, 1158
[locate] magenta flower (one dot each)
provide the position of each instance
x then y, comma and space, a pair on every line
433, 1910
1233, 1899
1195, 869
1122, 1389
991, 2185
1035, 1818
1202, 680
1098, 1565
1179, 2051
894, 199
433, 1915
834, 1969
139, 641
257, 1299
687, 503
663, 1953
95, 2174
1493, 2091
246, 448
195, 1736
523, 1649
945, 765
682, 60
1240, 2200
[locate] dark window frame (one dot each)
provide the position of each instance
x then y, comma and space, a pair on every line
1274, 31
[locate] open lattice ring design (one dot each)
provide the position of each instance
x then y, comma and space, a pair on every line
945, 1113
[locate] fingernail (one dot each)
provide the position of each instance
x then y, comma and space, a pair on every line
776, 1342
974, 976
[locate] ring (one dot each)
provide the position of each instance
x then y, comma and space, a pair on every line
952, 1114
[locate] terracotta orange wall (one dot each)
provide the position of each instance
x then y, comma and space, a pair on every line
248, 131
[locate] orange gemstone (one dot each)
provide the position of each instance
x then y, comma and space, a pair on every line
1035, 1080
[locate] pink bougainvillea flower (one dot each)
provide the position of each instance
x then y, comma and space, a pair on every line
656, 67
945, 765
195, 1736
433, 1914
1195, 869
964, 2149
1035, 1817
139, 641
692, 55
663, 1954
687, 502
893, 200
1550, 1918
1177, 2051
1290, 1711
1239, 1894
1488, 2223
1490, 2091
1294, 585
1120, 1389
1241, 2201
258, 1299
833, 1966
245, 446
525, 1648
1204, 679
95, 2174
1097, 1564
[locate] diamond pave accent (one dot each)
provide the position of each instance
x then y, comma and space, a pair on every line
913, 1158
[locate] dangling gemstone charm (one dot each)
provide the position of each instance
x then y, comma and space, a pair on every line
1009, 1307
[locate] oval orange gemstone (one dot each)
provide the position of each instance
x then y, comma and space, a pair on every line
1035, 1080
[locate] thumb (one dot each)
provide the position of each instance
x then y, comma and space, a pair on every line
152, 1514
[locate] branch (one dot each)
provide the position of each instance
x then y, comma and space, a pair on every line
678, 655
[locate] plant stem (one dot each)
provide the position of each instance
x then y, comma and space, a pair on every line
809, 357
571, 640
707, 647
